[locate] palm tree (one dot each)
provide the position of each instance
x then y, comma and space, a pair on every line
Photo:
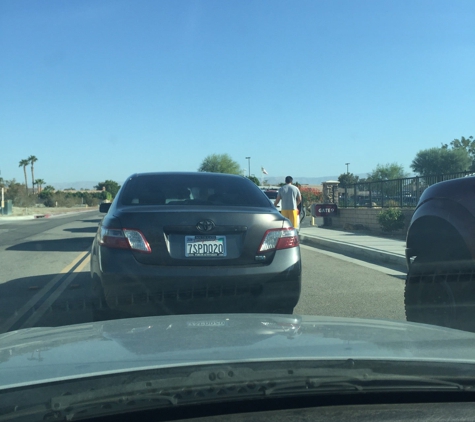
40, 183
32, 159
24, 163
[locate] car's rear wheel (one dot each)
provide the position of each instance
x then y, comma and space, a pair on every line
100, 310
440, 293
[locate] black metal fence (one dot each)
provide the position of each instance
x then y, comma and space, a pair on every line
404, 193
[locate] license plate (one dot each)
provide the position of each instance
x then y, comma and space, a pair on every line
206, 246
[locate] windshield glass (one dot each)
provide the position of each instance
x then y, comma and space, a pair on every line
208, 182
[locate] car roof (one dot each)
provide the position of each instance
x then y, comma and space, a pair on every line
186, 173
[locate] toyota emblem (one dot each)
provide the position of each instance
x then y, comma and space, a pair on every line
205, 226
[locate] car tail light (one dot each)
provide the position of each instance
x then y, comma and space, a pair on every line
279, 239
124, 239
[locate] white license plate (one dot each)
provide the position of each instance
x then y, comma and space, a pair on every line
205, 246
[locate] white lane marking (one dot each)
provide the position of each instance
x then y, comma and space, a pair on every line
375, 267
38, 296
38, 314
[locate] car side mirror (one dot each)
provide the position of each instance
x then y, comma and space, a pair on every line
104, 207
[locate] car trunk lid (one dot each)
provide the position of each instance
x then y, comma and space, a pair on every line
201, 235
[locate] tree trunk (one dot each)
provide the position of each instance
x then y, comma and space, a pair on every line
33, 178
26, 180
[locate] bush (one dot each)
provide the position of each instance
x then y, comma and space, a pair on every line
391, 219
17, 193
48, 202
310, 195
392, 203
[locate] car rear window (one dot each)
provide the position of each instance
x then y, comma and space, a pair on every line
272, 194
201, 189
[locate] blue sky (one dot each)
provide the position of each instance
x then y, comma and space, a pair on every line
100, 89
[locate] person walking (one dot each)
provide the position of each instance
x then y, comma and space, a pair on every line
291, 198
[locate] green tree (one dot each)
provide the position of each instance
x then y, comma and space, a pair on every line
467, 144
347, 179
32, 160
17, 193
110, 186
387, 172
254, 179
441, 161
39, 183
92, 199
220, 163
46, 195
24, 163
106, 196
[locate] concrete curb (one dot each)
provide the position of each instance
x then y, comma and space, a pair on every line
358, 251
33, 216
16, 218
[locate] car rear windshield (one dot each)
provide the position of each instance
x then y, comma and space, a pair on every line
272, 194
201, 189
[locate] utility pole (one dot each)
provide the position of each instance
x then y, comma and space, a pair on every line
249, 166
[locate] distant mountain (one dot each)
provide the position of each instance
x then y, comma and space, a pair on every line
301, 180
74, 185
271, 180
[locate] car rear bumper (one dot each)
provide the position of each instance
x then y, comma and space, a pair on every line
145, 290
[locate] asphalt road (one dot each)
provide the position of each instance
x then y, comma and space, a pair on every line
335, 285
44, 277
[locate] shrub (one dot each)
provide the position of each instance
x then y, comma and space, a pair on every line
391, 219
48, 202
310, 195
392, 203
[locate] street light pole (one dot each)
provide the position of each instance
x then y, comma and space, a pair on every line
249, 166
347, 164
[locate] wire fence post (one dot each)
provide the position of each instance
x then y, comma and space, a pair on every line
417, 189
401, 193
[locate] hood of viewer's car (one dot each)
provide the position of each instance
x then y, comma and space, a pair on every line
37, 355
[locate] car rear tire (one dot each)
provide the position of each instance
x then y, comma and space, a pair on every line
440, 293
100, 310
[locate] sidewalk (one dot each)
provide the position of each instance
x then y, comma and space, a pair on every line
362, 246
